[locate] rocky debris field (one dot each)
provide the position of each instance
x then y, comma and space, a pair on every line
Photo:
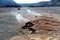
43, 28
10, 28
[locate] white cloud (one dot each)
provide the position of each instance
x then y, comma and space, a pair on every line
29, 1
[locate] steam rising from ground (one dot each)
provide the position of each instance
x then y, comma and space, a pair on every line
19, 17
33, 13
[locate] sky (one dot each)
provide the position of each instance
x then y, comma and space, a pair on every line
28, 1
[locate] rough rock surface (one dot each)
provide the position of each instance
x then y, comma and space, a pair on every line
43, 24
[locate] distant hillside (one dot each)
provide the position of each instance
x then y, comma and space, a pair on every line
44, 3
58, 2
10, 3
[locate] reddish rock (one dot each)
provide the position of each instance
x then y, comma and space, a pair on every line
43, 24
